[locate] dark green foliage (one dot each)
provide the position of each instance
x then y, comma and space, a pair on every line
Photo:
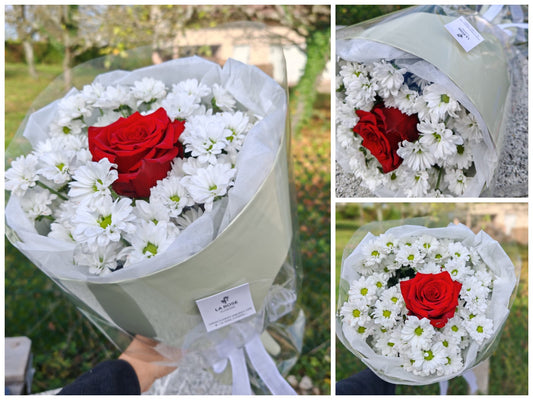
347, 15
305, 92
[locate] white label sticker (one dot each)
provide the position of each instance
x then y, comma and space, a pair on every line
226, 307
464, 33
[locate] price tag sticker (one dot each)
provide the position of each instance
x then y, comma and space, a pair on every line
467, 36
226, 307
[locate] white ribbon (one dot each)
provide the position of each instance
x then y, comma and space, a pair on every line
263, 365
266, 368
241, 381
470, 379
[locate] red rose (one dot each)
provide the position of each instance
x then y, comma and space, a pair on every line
432, 296
382, 130
143, 148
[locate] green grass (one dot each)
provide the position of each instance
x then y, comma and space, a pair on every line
21, 90
65, 344
508, 364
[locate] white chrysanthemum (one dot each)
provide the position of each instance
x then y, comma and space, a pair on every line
461, 159
457, 181
368, 169
386, 242
66, 126
416, 155
454, 363
172, 194
72, 144
66, 212
346, 116
361, 93
180, 105
373, 253
483, 275
55, 167
440, 102
457, 270
148, 91
22, 175
385, 314
417, 333
100, 261
479, 328
388, 343
422, 110
466, 124
205, 138
440, 140
104, 224
363, 290
388, 77
454, 330
36, 202
73, 107
188, 217
93, 93
236, 125
352, 70
355, 312
393, 297
427, 244
191, 165
222, 98
406, 100
429, 360
152, 211
346, 138
457, 251
209, 183
409, 255
475, 295
379, 280
192, 88
416, 184
148, 241
116, 98
429, 267
91, 182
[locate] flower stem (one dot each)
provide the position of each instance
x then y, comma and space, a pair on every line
52, 190
438, 178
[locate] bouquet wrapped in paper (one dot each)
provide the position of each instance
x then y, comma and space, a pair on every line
159, 200
423, 99
420, 305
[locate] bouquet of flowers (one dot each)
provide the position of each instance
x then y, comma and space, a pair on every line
416, 114
420, 305
150, 190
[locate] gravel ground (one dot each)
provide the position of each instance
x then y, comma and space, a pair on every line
511, 175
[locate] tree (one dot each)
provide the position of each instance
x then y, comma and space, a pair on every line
159, 25
72, 27
20, 17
